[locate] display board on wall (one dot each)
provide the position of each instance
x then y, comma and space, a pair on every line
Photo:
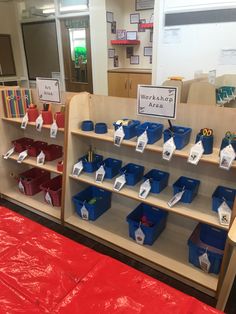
144, 4
48, 89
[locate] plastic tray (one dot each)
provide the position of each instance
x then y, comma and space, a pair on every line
221, 194
158, 179
133, 173
181, 136
54, 188
213, 236
35, 148
190, 190
91, 166
52, 152
21, 144
154, 131
129, 130
32, 179
112, 167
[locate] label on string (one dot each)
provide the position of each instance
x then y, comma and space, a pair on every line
39, 123
22, 156
139, 236
168, 149
145, 189
227, 156
41, 158
119, 182
204, 262
9, 153
119, 136
21, 187
100, 174
196, 153
53, 130
77, 168
48, 198
175, 199
224, 213
142, 142
25, 121
84, 213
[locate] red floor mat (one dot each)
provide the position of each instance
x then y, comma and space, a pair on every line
44, 272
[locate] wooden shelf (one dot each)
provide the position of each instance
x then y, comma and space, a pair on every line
36, 202
31, 161
19, 121
156, 147
170, 250
199, 209
125, 42
146, 25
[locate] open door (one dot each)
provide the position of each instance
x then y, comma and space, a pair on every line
77, 54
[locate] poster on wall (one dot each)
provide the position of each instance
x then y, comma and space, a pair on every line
48, 89
144, 4
157, 101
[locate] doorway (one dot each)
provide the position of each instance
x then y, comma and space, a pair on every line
77, 54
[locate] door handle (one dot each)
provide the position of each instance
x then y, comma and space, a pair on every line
126, 81
130, 84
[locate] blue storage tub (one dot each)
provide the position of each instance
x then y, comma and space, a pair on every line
221, 194
154, 215
154, 131
207, 142
133, 173
158, 180
190, 191
87, 125
181, 136
100, 128
198, 248
102, 204
112, 167
91, 166
225, 142
129, 130
213, 236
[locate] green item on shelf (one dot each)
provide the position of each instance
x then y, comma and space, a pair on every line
94, 200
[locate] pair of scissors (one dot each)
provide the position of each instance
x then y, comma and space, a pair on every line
206, 132
231, 136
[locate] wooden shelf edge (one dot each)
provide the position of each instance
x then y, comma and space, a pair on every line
125, 42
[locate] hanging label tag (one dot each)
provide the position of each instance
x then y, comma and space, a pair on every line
139, 236
100, 174
48, 198
119, 182
9, 153
119, 136
224, 213
39, 123
168, 149
196, 153
77, 168
84, 213
204, 262
21, 187
142, 142
25, 121
22, 156
175, 199
145, 189
41, 158
227, 156
53, 130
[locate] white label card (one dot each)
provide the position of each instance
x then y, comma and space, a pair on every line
227, 156
77, 169
119, 136
100, 174
25, 121
84, 213
168, 149
39, 123
142, 142
175, 199
139, 236
196, 153
145, 189
21, 187
53, 130
41, 158
9, 153
22, 156
204, 262
224, 213
119, 182
48, 198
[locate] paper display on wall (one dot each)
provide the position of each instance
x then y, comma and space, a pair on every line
48, 89
228, 57
172, 36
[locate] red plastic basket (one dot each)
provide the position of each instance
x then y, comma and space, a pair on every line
54, 188
52, 152
21, 144
36, 147
32, 179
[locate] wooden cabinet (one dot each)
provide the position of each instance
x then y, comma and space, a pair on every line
125, 84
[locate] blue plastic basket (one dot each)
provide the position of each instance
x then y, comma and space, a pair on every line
213, 236
133, 173
102, 204
225, 142
190, 188
158, 179
181, 136
129, 130
100, 128
112, 167
91, 166
198, 248
87, 125
154, 131
221, 194
207, 142
154, 215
